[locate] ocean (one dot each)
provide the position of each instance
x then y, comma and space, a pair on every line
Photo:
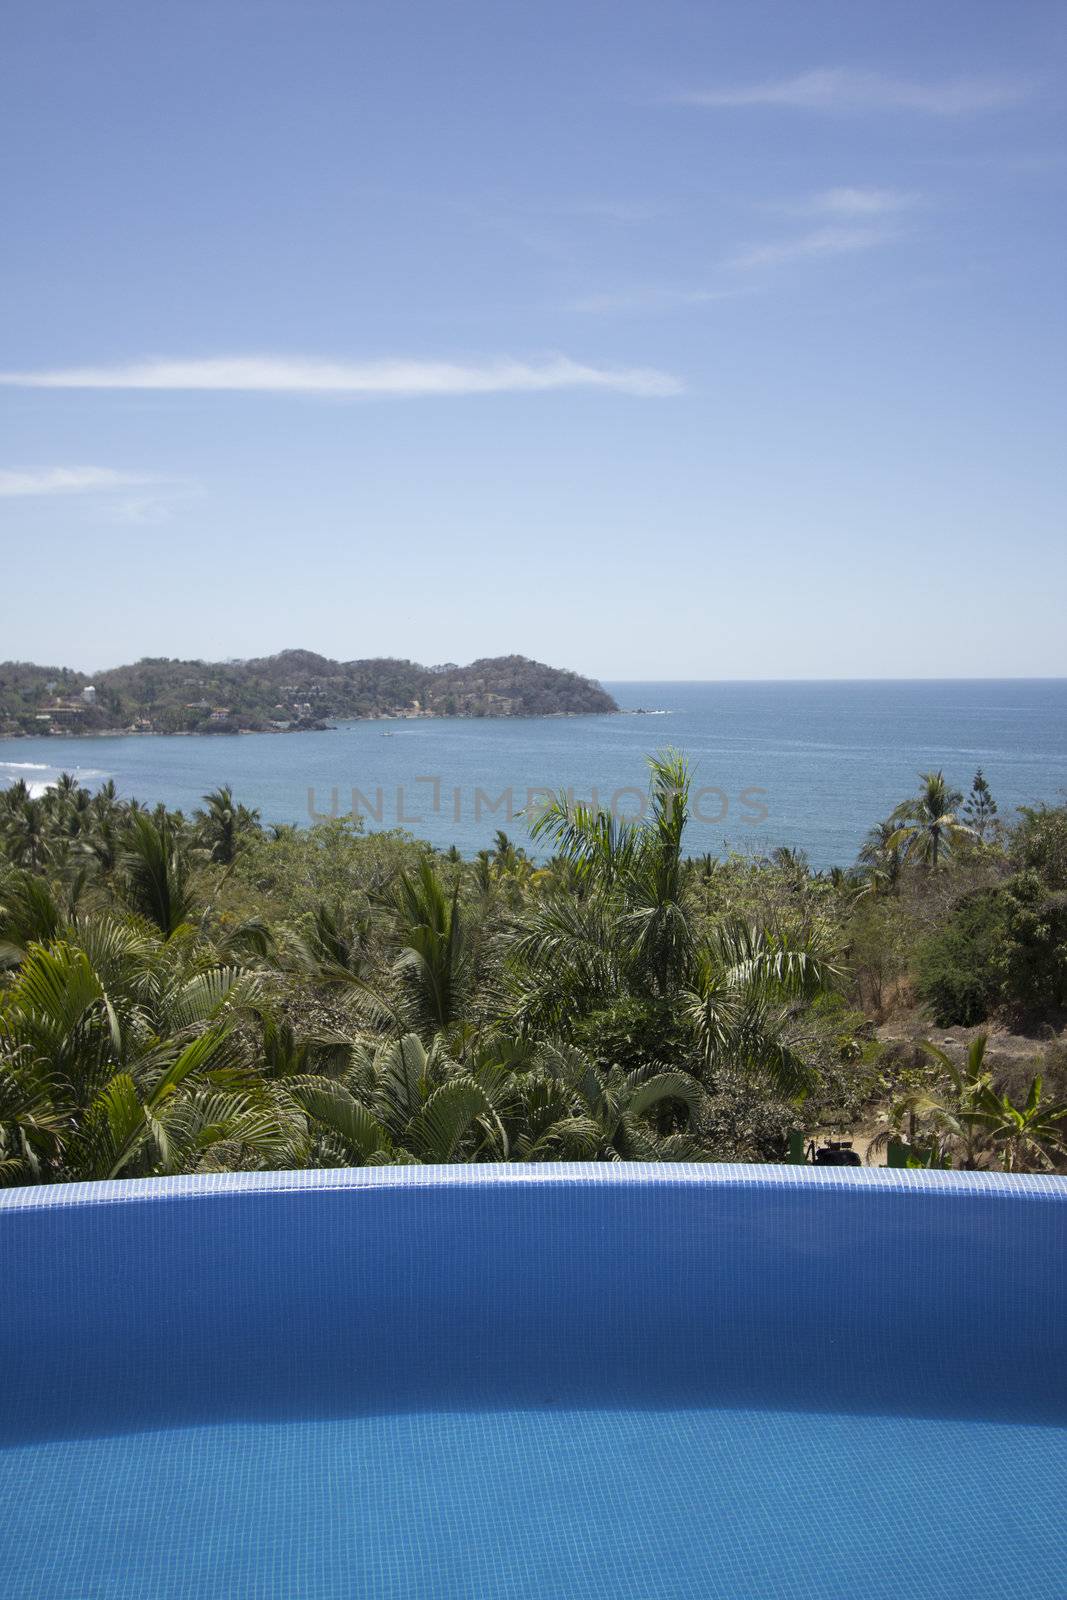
809, 765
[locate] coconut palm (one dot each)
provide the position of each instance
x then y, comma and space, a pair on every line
223, 827
882, 854
927, 826
24, 826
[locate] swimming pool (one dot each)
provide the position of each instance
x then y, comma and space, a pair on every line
568, 1380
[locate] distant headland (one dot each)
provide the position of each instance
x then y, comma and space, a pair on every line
294, 691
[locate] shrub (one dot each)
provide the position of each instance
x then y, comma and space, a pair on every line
634, 1034
739, 1125
878, 940
1039, 844
1034, 957
959, 968
999, 947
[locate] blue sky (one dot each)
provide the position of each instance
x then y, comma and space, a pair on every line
658, 340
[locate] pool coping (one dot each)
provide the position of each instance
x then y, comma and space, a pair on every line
618, 1175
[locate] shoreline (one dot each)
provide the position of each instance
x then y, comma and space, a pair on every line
318, 727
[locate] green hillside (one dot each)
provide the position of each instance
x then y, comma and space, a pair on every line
294, 690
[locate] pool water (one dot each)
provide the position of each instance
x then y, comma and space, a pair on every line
701, 1503
635, 1383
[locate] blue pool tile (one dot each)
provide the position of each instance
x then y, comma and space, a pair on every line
542, 1381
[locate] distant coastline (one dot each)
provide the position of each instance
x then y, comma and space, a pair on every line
313, 727
296, 691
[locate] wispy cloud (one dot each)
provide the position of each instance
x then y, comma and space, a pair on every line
819, 243
67, 480
839, 89
285, 375
851, 202
146, 510
851, 219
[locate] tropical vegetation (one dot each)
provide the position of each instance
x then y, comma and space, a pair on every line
203, 993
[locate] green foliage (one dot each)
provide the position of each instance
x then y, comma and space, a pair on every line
118, 1057
740, 1126
960, 968
882, 854
223, 827
202, 994
1000, 948
157, 873
880, 946
1039, 844
433, 967
632, 931
980, 811
643, 1033
928, 828
1034, 958
968, 1119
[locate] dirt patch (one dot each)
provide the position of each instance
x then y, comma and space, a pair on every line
1005, 1043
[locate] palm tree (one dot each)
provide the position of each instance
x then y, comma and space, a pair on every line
950, 1123
156, 873
882, 853
119, 1055
630, 933
1033, 1135
562, 960
656, 924
30, 912
406, 1102
927, 826
403, 1103
223, 828
31, 1129
332, 947
973, 1123
740, 1002
631, 877
24, 826
613, 1114
793, 864
433, 970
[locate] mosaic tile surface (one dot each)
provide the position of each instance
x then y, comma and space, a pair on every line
555, 1381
